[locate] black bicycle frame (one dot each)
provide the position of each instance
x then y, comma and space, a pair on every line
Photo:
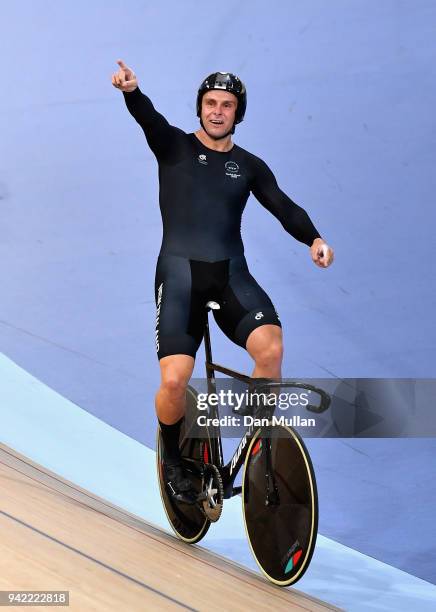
230, 470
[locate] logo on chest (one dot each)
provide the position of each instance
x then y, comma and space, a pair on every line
232, 169
202, 160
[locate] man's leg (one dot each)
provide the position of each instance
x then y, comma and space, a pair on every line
265, 346
176, 371
179, 331
248, 317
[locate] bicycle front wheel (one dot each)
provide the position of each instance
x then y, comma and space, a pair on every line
280, 504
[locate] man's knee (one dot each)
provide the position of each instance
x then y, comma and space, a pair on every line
174, 384
270, 354
266, 346
175, 374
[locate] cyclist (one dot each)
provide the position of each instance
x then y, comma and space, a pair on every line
205, 180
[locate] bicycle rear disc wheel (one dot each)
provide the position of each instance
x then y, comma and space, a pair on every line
188, 521
282, 534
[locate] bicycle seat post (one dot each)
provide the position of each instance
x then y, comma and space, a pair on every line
217, 449
207, 344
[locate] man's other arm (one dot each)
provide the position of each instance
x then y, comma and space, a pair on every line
293, 218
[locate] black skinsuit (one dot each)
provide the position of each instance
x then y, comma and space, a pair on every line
202, 197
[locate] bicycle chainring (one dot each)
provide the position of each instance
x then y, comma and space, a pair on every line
212, 487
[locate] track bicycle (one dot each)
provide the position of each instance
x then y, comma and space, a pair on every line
279, 494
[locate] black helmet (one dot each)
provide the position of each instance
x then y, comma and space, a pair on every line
228, 82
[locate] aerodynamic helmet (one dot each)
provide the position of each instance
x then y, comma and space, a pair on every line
227, 82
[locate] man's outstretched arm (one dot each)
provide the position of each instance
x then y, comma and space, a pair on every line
159, 133
294, 219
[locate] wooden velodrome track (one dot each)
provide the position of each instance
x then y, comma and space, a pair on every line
57, 536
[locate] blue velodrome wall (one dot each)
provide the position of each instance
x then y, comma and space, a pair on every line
341, 106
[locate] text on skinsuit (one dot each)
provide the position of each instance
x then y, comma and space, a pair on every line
159, 300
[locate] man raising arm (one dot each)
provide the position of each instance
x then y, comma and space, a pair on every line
205, 181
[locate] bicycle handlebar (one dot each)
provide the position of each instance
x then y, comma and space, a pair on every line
267, 382
325, 397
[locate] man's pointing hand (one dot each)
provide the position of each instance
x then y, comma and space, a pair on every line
125, 78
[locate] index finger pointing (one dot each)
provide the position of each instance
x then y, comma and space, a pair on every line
122, 65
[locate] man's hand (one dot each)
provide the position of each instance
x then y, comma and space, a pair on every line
321, 253
125, 78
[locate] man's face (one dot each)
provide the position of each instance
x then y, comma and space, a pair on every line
218, 110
